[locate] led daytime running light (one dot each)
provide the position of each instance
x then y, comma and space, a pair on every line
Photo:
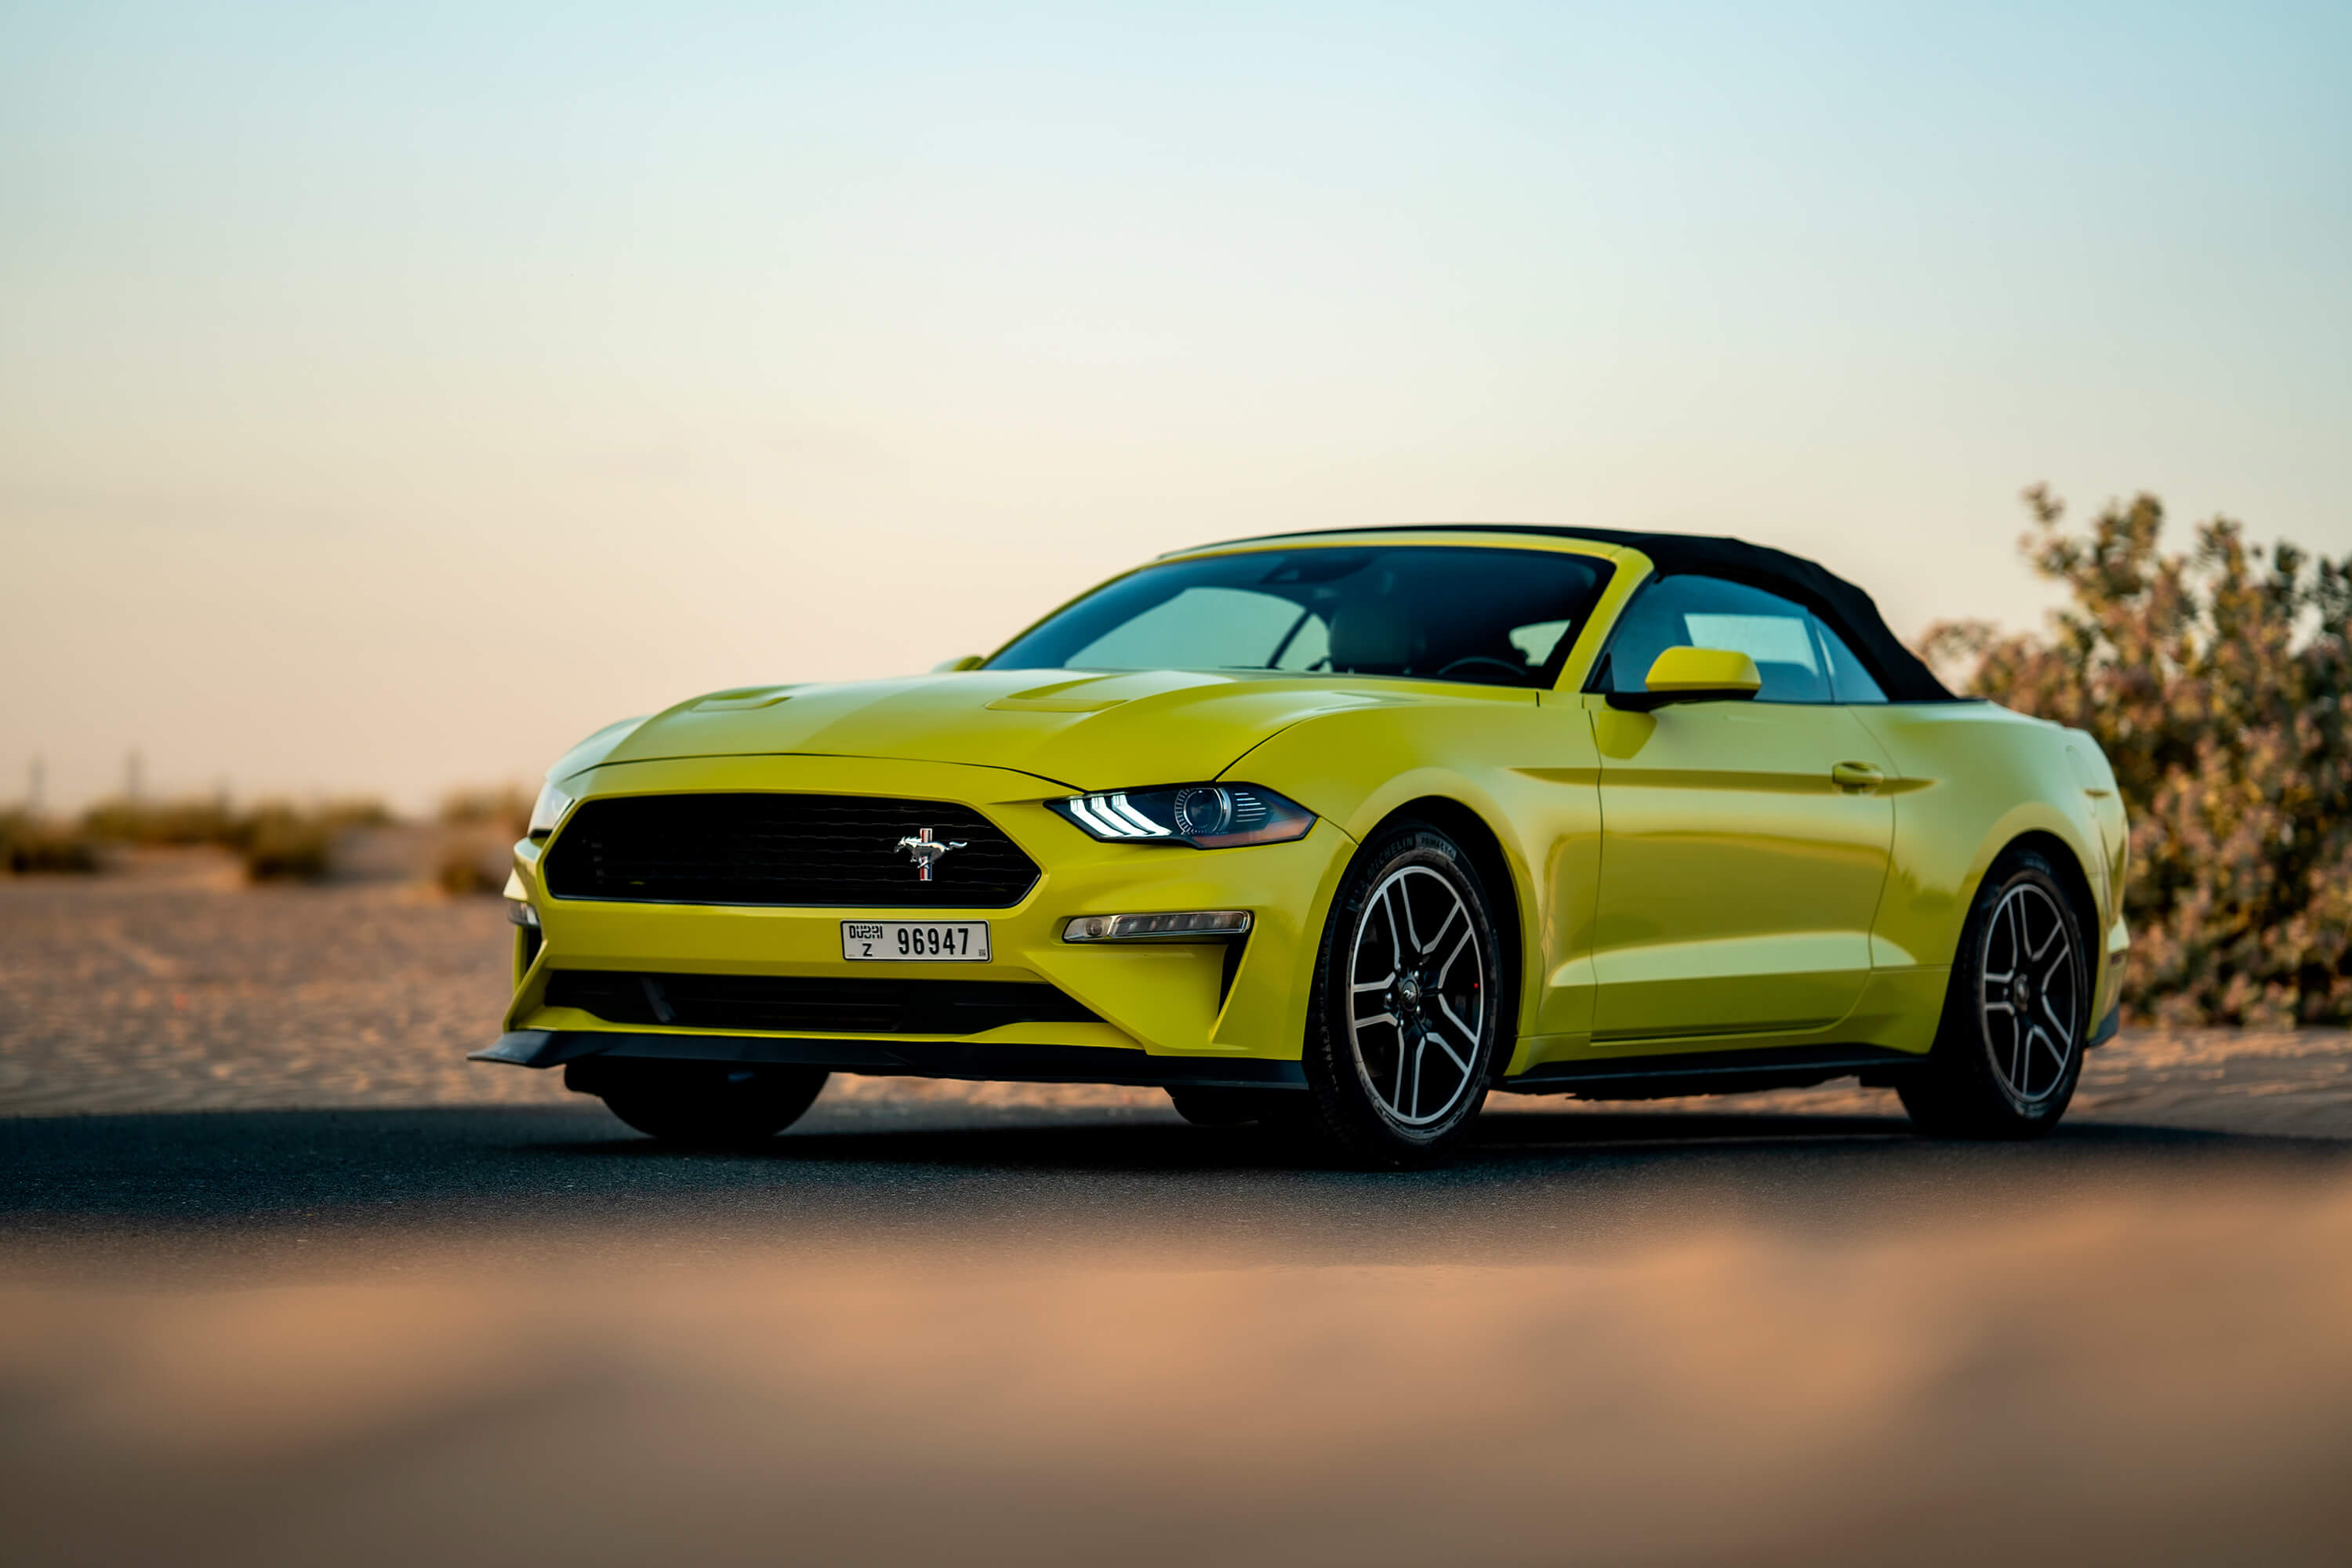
1202, 816
1191, 925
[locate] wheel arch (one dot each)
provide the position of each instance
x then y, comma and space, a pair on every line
2037, 825
1479, 841
2072, 876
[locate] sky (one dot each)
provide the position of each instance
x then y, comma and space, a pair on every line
391, 395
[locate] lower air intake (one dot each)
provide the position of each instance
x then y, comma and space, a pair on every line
805, 1006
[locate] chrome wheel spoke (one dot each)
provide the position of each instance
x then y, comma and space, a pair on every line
1396, 944
1421, 1005
1447, 967
2026, 1007
1434, 1038
1442, 927
2053, 1041
2057, 934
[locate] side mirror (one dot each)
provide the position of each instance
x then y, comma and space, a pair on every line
1693, 675
948, 667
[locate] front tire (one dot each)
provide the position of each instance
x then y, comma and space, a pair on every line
1408, 1005
707, 1105
2009, 1050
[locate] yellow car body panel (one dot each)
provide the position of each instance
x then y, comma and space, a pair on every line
1708, 877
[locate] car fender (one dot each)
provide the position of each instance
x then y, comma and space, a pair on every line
1358, 768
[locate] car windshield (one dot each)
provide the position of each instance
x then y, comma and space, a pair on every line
1498, 617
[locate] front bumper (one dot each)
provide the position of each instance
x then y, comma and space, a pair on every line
1166, 1013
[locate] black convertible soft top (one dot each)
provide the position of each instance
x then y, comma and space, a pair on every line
1847, 609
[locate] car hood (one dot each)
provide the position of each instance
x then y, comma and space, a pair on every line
1066, 726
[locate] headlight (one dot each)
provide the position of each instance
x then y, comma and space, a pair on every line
1203, 815
548, 810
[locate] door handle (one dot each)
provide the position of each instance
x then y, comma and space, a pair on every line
1856, 778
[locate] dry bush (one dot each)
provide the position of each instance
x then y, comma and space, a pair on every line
281, 843
30, 844
2219, 683
461, 868
278, 842
477, 827
155, 824
506, 808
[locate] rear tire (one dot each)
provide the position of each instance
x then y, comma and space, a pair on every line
1408, 1006
2009, 1050
707, 1105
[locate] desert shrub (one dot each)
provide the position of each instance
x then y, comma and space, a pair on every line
159, 823
463, 867
505, 810
477, 827
2219, 680
277, 842
30, 844
280, 844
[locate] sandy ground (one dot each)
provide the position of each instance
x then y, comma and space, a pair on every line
283, 1280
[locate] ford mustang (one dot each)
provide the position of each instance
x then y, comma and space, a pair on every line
1339, 834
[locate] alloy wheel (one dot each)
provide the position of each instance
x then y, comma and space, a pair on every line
2030, 1004
1416, 998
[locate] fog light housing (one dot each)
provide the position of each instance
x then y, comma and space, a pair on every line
521, 914
1189, 925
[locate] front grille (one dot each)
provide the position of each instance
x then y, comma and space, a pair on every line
805, 1006
838, 849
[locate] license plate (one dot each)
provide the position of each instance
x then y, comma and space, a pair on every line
928, 942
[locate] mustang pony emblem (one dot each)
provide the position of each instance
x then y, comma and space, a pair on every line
927, 850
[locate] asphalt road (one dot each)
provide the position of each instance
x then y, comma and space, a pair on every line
927, 1328
948, 1179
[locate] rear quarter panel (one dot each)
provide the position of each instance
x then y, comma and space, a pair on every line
1973, 779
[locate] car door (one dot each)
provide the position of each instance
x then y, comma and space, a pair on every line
1744, 844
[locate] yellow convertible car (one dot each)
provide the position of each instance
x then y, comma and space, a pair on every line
1339, 832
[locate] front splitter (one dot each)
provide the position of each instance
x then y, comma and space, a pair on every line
974, 1060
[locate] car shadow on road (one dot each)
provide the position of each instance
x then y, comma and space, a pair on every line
1035, 1169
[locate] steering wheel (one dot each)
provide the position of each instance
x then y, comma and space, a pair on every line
1515, 671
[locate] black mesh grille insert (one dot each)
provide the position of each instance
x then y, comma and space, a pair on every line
840, 849
802, 1004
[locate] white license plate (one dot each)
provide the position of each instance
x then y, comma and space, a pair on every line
928, 942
